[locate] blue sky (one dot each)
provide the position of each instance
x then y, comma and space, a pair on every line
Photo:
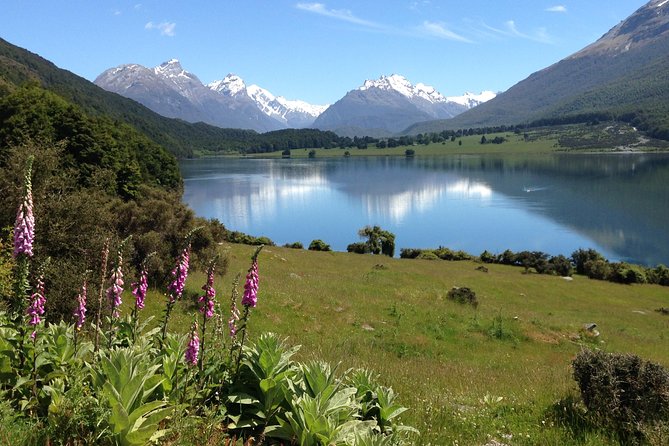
316, 51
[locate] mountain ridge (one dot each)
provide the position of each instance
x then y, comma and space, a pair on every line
389, 104
632, 56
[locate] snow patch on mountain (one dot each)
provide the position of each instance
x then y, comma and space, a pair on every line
289, 112
471, 100
401, 85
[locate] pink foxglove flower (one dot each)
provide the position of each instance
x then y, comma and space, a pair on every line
24, 227
140, 288
36, 307
250, 297
115, 291
193, 348
179, 274
80, 311
207, 300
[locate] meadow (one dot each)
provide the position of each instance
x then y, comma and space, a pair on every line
500, 372
604, 137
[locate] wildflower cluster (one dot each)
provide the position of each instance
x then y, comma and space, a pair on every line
207, 300
140, 287
179, 274
24, 227
193, 348
80, 310
115, 291
36, 308
250, 297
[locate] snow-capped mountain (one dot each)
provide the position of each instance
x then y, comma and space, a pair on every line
390, 104
171, 91
292, 114
378, 107
471, 100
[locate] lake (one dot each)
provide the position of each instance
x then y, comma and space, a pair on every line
617, 204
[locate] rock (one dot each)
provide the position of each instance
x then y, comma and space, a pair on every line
367, 327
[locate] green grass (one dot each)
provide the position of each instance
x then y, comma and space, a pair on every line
601, 137
467, 375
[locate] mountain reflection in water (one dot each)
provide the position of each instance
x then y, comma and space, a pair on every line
617, 203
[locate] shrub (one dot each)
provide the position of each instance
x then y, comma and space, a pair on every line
622, 392
427, 255
625, 273
597, 269
487, 257
561, 266
447, 254
358, 248
582, 256
294, 245
658, 275
319, 245
410, 253
463, 295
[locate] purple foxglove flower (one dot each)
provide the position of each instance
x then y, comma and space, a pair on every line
24, 227
193, 348
207, 300
80, 311
115, 291
36, 307
250, 297
140, 288
179, 274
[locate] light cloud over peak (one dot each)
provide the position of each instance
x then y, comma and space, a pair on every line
435, 29
557, 8
165, 28
339, 14
511, 30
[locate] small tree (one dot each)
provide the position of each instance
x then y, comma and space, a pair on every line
319, 245
409, 153
312, 153
378, 240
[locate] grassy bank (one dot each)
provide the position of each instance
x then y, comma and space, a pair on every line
468, 375
605, 137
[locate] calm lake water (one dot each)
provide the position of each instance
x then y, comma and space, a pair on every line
617, 204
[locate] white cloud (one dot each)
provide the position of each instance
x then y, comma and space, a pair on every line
165, 28
339, 14
511, 30
117, 12
557, 8
435, 29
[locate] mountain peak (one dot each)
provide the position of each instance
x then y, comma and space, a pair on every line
230, 85
646, 25
402, 85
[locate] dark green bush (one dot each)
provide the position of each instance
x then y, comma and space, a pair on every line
295, 245
597, 269
582, 256
622, 392
487, 257
410, 253
358, 248
319, 245
446, 254
463, 295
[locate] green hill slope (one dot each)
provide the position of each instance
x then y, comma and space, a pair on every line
623, 75
18, 65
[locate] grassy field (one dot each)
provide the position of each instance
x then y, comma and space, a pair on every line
469, 376
601, 137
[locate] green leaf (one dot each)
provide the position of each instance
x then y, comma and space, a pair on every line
118, 418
